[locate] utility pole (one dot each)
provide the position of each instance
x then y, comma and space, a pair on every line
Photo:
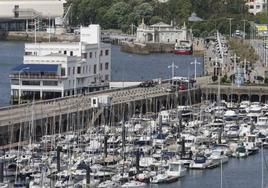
173, 66
230, 21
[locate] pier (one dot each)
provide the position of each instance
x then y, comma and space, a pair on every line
21, 122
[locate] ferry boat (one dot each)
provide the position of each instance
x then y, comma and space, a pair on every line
184, 47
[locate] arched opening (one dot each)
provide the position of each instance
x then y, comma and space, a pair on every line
137, 109
233, 97
144, 108
38, 131
224, 97
244, 97
183, 101
204, 96
264, 98
17, 135
254, 98
158, 105
64, 126
212, 97
150, 37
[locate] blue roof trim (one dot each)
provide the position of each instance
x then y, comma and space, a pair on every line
36, 68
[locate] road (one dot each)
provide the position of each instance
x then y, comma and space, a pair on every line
16, 114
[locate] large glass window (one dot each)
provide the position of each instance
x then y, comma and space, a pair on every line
31, 83
50, 83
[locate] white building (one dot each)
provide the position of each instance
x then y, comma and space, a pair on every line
256, 6
21, 15
51, 70
160, 33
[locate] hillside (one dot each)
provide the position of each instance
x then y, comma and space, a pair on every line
120, 14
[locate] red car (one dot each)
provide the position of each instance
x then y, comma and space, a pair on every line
182, 87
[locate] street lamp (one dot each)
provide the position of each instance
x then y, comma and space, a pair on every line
23, 69
195, 62
230, 20
173, 66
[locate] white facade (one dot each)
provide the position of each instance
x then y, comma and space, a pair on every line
256, 6
46, 8
84, 66
160, 33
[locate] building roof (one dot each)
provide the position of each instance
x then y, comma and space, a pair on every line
194, 18
161, 24
35, 68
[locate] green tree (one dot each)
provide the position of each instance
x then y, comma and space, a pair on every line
116, 16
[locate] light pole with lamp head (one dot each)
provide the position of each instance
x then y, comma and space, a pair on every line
195, 62
23, 69
173, 66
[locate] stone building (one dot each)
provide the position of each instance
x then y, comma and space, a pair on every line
160, 33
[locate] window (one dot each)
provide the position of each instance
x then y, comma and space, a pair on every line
106, 65
78, 70
31, 83
100, 66
16, 13
107, 77
50, 83
71, 53
28, 53
63, 71
106, 52
15, 82
65, 52
90, 54
95, 69
84, 55
101, 53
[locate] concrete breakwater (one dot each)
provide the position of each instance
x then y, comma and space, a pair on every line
40, 36
148, 48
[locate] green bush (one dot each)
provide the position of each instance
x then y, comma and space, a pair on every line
214, 78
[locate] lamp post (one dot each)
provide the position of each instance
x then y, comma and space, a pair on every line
23, 69
230, 20
173, 66
195, 62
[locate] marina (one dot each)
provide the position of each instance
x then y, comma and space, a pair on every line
146, 94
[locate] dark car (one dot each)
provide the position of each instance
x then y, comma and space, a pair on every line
149, 83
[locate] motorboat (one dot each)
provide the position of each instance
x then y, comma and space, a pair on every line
134, 183
230, 115
176, 169
184, 47
109, 184
240, 152
251, 144
200, 162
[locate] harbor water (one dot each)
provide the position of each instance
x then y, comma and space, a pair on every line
128, 67
238, 173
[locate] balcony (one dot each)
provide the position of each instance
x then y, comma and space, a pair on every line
40, 77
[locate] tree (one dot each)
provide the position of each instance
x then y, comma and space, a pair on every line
145, 10
116, 16
214, 78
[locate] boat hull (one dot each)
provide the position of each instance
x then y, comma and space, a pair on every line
183, 52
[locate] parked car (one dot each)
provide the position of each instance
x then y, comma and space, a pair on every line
148, 83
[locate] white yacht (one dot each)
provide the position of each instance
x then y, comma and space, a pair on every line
176, 169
